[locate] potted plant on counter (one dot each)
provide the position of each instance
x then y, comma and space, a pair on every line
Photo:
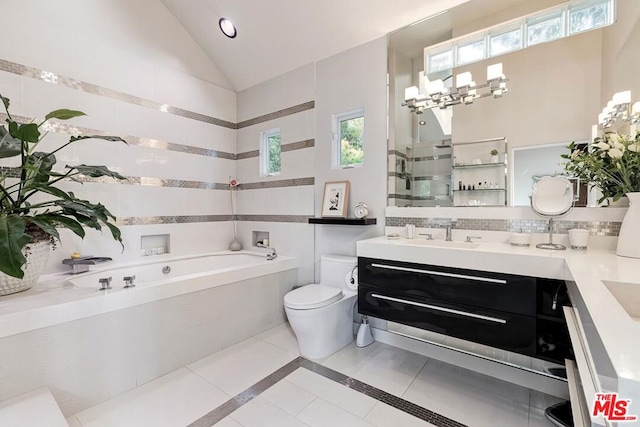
612, 165
32, 207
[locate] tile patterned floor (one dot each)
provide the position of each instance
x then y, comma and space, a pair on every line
262, 382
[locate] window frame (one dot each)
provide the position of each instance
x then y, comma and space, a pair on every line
264, 152
337, 137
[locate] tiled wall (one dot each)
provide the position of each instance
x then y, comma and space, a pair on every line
136, 73
280, 204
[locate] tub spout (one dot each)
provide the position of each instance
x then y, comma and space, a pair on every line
271, 255
81, 265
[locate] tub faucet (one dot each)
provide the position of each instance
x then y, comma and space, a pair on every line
271, 255
81, 265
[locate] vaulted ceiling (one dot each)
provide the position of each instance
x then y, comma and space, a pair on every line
276, 36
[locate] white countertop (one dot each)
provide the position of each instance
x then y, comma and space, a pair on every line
619, 332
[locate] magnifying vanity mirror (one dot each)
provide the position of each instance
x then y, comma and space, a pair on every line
552, 197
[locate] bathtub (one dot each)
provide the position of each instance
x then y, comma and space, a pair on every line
89, 345
173, 270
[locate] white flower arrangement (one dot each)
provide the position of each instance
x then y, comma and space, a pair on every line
611, 164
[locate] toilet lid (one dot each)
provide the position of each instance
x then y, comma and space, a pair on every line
312, 296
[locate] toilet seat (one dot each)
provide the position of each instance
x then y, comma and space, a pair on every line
312, 296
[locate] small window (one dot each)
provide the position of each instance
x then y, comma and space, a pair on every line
440, 61
471, 52
545, 28
270, 153
349, 139
505, 40
588, 17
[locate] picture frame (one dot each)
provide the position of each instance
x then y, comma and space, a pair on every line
335, 199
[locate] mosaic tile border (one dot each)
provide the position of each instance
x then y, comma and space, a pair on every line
397, 153
181, 219
54, 78
63, 128
254, 391
309, 105
179, 183
294, 182
299, 219
71, 83
596, 228
299, 145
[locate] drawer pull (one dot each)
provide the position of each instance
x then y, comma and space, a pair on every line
440, 273
435, 307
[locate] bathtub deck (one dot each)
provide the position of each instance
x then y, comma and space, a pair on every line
272, 386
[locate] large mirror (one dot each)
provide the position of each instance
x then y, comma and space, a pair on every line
557, 89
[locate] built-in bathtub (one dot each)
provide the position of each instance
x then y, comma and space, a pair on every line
89, 345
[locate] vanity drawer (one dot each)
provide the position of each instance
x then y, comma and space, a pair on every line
496, 291
507, 331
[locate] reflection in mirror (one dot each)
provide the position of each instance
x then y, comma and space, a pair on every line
532, 163
557, 88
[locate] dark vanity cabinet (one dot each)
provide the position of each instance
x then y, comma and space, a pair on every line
516, 313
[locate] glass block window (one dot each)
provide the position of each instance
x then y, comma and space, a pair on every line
573, 17
471, 52
545, 29
349, 139
440, 61
592, 16
503, 41
270, 153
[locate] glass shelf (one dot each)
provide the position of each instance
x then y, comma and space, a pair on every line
483, 165
480, 189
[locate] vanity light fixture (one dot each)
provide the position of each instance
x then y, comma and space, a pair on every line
619, 107
465, 92
228, 28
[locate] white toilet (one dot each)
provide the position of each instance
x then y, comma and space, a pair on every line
322, 315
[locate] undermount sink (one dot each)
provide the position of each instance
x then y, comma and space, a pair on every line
627, 295
442, 244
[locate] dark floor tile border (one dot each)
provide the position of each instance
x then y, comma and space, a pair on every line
255, 390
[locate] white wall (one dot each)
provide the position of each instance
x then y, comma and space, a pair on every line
344, 82
554, 94
289, 238
137, 48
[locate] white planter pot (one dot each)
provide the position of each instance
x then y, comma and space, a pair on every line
37, 255
495, 159
630, 230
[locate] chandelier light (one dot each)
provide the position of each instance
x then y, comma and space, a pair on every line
619, 107
465, 92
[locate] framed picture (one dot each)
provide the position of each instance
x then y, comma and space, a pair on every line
335, 200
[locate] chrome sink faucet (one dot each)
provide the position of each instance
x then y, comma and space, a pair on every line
447, 237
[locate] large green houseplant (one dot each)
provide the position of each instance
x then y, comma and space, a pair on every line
32, 207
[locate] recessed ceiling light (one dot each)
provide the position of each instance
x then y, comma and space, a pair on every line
228, 28
422, 122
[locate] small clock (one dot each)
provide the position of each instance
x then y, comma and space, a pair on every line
360, 210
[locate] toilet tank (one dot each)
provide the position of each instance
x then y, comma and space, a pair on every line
334, 268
